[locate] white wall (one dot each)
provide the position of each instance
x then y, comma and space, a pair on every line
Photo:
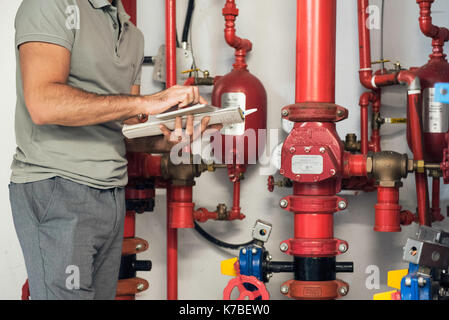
12, 267
270, 24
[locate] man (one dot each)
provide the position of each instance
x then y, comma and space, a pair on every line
78, 79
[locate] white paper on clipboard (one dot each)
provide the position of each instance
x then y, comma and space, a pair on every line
227, 116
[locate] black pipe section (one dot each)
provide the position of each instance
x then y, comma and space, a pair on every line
188, 21
279, 266
220, 243
315, 269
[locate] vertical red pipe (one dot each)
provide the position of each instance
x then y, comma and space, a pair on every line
418, 153
315, 51
315, 82
172, 234
131, 8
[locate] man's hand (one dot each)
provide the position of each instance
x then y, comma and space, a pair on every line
190, 134
164, 143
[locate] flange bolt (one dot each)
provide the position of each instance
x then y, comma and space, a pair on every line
343, 247
343, 291
342, 205
284, 289
283, 247
283, 203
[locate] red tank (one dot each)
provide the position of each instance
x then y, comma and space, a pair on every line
435, 115
241, 88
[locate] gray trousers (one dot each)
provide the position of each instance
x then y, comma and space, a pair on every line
71, 237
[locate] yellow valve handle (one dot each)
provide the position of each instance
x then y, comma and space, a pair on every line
384, 295
380, 61
190, 71
227, 267
395, 120
395, 278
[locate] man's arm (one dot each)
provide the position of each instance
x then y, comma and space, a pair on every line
50, 101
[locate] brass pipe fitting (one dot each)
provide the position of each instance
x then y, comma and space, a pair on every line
388, 168
183, 174
352, 144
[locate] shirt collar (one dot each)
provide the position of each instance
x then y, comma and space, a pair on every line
123, 16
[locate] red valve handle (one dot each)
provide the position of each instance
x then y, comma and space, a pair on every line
250, 288
270, 183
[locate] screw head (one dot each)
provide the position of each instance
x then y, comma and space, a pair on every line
283, 246
254, 251
269, 276
283, 203
244, 251
269, 258
139, 247
292, 150
421, 282
307, 149
285, 113
322, 150
140, 287
284, 289
343, 247
408, 281
435, 256
342, 205
343, 291
333, 172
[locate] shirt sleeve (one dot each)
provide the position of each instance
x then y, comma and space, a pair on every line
50, 21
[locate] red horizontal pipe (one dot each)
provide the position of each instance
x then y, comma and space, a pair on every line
315, 53
354, 165
203, 215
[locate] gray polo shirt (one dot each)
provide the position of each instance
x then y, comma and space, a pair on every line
106, 58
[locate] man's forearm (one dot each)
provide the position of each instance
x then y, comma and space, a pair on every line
69, 106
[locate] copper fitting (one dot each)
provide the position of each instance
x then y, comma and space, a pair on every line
182, 174
351, 143
388, 168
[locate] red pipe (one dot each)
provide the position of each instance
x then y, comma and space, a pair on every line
436, 211
315, 62
415, 130
172, 254
172, 234
425, 22
181, 207
241, 46
388, 210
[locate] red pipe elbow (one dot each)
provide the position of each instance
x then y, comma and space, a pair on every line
242, 46
425, 22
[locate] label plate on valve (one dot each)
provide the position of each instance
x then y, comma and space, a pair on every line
234, 99
307, 164
435, 114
